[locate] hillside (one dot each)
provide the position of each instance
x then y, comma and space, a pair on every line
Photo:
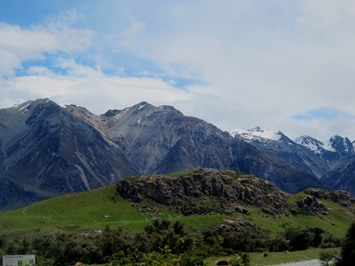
226, 198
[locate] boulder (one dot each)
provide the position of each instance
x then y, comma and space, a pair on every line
310, 205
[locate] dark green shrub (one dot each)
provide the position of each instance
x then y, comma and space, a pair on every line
299, 239
189, 259
348, 248
330, 241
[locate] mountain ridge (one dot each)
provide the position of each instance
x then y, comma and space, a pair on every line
54, 149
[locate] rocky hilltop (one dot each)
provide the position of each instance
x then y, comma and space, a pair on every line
209, 191
205, 191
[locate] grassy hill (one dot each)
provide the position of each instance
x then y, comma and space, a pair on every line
95, 209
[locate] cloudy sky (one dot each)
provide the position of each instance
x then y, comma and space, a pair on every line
279, 64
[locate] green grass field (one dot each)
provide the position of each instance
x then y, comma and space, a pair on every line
89, 211
95, 209
274, 258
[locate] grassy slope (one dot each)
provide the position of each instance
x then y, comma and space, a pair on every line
87, 211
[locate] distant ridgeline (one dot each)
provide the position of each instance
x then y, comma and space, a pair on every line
48, 150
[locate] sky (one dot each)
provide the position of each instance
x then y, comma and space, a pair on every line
278, 64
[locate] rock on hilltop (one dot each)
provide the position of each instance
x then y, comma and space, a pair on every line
204, 191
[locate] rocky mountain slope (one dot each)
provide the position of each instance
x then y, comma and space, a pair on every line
163, 140
342, 177
338, 152
284, 148
334, 151
47, 151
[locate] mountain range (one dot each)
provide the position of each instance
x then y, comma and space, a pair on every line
332, 161
48, 150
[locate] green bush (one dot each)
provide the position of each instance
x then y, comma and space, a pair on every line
299, 239
189, 259
330, 241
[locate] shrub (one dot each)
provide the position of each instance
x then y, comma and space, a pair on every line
330, 241
300, 239
191, 260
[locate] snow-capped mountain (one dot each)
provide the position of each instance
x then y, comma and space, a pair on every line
252, 134
334, 151
277, 143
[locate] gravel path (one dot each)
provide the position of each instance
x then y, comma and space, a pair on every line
302, 263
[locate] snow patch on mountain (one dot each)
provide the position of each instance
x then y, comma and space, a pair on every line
257, 132
318, 147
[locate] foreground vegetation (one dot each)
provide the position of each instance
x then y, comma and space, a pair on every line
102, 228
162, 243
274, 258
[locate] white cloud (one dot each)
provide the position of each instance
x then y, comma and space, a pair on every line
266, 61
19, 45
260, 62
91, 88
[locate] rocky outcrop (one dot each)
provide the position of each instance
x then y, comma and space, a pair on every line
204, 191
341, 197
311, 205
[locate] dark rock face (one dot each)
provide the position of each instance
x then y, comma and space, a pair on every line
342, 177
50, 152
203, 191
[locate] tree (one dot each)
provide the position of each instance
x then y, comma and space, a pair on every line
348, 248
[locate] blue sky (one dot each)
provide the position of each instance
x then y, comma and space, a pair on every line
285, 65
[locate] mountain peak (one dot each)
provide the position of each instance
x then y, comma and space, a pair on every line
255, 129
141, 105
257, 132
